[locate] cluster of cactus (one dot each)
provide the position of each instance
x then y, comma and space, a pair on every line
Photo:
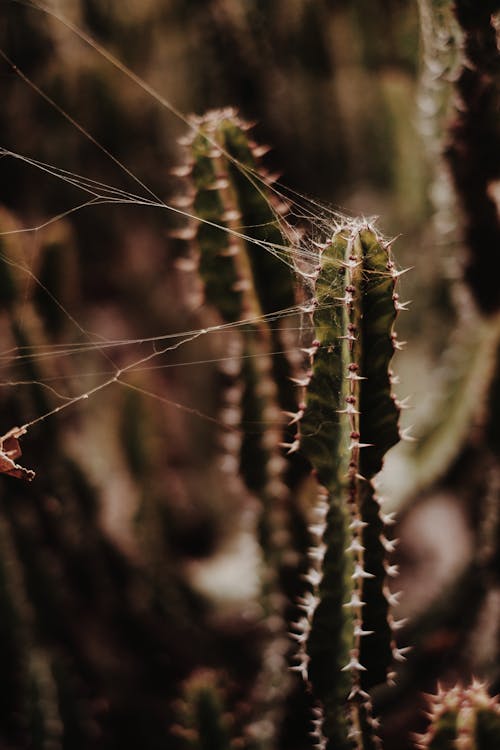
236, 267
346, 417
345, 420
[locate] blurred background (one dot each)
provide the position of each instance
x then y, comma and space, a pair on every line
128, 571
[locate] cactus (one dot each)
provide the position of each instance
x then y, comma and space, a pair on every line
235, 269
345, 425
464, 718
349, 420
201, 720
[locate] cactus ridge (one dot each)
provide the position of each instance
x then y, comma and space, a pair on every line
349, 421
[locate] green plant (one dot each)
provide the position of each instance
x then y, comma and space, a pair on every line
108, 638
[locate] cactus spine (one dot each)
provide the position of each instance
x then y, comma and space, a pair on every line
349, 420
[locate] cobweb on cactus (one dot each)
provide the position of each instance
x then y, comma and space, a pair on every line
302, 221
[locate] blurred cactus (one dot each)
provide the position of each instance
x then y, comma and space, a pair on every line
464, 718
239, 245
201, 720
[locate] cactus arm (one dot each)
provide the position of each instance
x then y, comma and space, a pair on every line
232, 275
378, 422
350, 420
462, 718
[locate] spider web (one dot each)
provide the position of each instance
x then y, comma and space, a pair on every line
299, 252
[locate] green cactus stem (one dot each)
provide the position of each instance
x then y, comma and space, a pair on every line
244, 280
202, 721
349, 421
240, 278
464, 718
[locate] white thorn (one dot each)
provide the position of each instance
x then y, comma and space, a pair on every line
310, 350
350, 409
350, 263
317, 553
356, 690
186, 264
353, 733
182, 201
358, 631
392, 570
321, 509
301, 381
353, 666
181, 171
388, 518
402, 305
231, 215
355, 546
301, 626
357, 523
398, 654
396, 274
393, 599
405, 435
360, 573
357, 444
221, 183
348, 337
309, 307
294, 416
301, 669
260, 150
308, 602
354, 376
388, 544
185, 140
311, 275
314, 577
317, 529
354, 602
403, 403
291, 447
230, 251
399, 624
242, 285
183, 233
